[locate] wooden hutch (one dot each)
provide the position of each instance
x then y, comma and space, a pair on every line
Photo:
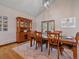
23, 25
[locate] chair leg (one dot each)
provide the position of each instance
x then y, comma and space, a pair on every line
30, 42
61, 50
58, 52
48, 49
77, 41
41, 47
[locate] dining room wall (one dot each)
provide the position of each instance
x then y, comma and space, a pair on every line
58, 11
76, 14
10, 35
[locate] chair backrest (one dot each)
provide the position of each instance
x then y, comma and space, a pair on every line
77, 36
29, 35
38, 36
53, 36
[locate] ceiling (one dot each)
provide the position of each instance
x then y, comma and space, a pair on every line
33, 7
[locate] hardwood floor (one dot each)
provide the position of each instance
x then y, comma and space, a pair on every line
6, 51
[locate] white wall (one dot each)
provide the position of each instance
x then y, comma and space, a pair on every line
58, 11
10, 35
76, 13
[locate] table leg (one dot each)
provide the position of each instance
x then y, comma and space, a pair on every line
30, 42
48, 49
75, 52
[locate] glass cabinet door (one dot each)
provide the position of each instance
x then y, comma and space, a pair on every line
26, 24
21, 24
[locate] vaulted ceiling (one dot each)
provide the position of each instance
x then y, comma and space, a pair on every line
33, 7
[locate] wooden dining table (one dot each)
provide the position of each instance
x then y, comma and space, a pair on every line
65, 42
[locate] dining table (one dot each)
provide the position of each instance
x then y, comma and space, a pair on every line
65, 42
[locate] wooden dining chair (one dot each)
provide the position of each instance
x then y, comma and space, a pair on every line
77, 37
31, 37
54, 42
39, 40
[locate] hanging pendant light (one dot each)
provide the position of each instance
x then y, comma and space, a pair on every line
46, 4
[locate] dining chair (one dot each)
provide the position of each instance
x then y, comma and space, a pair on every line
31, 37
40, 40
54, 42
77, 37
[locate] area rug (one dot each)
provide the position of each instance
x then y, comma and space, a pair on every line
28, 52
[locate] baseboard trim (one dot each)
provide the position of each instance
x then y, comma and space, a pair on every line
7, 44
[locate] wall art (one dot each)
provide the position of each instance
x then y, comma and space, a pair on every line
0, 23
68, 22
5, 23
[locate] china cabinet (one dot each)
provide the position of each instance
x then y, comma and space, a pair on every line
23, 25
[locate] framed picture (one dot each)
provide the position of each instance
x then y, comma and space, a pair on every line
5, 18
0, 23
5, 29
69, 22
5, 23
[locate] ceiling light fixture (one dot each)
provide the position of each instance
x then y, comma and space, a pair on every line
46, 3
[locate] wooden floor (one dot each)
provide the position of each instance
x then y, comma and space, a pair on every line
6, 52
